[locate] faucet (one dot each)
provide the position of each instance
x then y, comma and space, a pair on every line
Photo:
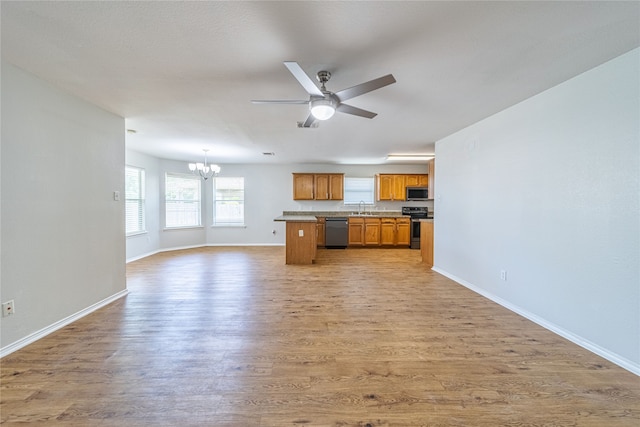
361, 206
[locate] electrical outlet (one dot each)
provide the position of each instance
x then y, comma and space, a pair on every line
8, 308
116, 196
503, 275
300, 233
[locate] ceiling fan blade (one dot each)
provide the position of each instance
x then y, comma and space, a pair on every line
302, 78
279, 101
363, 88
309, 122
344, 108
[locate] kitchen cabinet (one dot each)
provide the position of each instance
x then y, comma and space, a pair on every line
395, 232
329, 186
426, 242
388, 232
392, 187
403, 231
320, 231
318, 186
416, 180
431, 181
303, 186
300, 242
356, 231
372, 232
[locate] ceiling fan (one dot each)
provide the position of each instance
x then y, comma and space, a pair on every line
324, 103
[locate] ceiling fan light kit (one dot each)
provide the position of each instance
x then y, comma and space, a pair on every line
323, 109
323, 103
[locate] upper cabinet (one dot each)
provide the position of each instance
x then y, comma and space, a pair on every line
318, 186
393, 187
432, 179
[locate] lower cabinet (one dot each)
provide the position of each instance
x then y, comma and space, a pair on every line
403, 231
356, 231
379, 231
320, 229
388, 232
364, 231
395, 232
372, 232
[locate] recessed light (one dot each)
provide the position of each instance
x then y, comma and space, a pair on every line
132, 131
268, 153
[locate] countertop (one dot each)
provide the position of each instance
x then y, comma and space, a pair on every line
296, 218
329, 214
311, 216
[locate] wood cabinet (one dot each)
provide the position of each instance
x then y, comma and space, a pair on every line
318, 186
303, 186
395, 232
388, 231
329, 186
356, 232
372, 231
300, 242
416, 180
392, 187
426, 242
320, 230
403, 231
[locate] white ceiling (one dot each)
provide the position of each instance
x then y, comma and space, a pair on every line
182, 74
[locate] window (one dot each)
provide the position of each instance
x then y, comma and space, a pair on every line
357, 190
228, 201
182, 201
134, 200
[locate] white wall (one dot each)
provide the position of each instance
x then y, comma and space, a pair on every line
62, 233
268, 192
548, 190
147, 243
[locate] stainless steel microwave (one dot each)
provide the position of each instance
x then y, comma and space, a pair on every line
417, 193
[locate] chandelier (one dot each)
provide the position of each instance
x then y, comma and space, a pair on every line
205, 170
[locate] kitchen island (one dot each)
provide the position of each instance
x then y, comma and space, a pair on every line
300, 238
426, 241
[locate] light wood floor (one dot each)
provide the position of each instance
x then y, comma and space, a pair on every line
234, 337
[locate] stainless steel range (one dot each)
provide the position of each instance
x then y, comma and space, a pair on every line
416, 213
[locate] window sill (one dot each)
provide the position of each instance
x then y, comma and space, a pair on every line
188, 227
228, 226
137, 233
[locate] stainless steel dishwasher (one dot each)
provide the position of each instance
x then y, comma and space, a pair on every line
336, 232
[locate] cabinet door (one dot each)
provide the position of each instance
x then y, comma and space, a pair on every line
322, 187
320, 229
416, 180
403, 231
399, 187
388, 231
303, 184
372, 232
356, 232
385, 187
336, 187
412, 180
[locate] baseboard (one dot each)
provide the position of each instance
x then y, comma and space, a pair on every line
4, 351
576, 339
179, 248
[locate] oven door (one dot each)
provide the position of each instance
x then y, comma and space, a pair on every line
415, 233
